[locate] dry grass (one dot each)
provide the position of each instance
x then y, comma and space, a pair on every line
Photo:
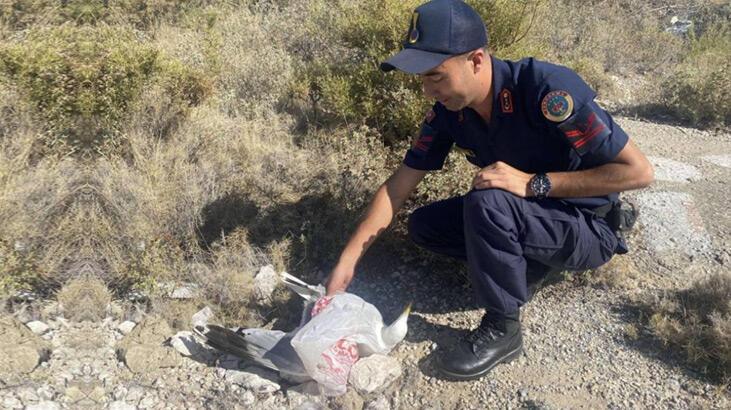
697, 322
85, 298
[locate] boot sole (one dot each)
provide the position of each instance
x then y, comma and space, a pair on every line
460, 376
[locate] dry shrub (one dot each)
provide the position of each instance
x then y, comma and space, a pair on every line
339, 81
255, 72
619, 272
699, 89
605, 37
84, 298
697, 322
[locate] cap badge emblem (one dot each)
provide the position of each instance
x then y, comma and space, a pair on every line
557, 106
413, 31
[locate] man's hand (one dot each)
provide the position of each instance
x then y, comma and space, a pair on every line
503, 176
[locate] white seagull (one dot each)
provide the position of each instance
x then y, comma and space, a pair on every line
360, 322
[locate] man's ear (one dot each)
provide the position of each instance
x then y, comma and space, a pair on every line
478, 58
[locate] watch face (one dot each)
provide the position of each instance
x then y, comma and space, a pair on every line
540, 185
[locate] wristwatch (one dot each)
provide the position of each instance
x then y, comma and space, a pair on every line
540, 184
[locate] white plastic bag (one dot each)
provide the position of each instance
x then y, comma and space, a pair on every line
328, 343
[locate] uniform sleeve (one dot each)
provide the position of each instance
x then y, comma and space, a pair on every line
566, 103
430, 148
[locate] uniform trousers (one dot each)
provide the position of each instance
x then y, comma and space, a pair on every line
503, 238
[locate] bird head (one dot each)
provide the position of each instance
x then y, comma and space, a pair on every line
396, 331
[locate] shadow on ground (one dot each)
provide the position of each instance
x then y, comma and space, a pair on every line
637, 314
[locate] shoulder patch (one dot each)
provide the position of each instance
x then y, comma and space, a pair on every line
506, 101
585, 130
430, 116
557, 106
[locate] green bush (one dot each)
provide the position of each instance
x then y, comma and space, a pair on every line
699, 89
353, 90
142, 14
82, 80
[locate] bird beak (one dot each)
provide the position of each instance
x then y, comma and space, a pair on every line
407, 311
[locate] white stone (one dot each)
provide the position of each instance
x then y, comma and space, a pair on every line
186, 344
37, 327
44, 405
45, 392
670, 170
247, 398
202, 317
720, 160
11, 402
374, 373
183, 292
148, 402
134, 394
260, 381
380, 403
120, 405
265, 282
126, 327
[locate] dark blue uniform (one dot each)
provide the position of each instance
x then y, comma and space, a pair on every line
501, 235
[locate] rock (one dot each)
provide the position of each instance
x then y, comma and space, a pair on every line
44, 405
264, 284
248, 398
148, 402
20, 349
380, 403
126, 327
11, 402
120, 393
153, 330
185, 344
202, 317
120, 405
45, 392
143, 350
148, 357
350, 400
374, 373
37, 327
134, 394
183, 292
260, 381
27, 395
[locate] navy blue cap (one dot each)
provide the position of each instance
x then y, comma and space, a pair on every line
438, 30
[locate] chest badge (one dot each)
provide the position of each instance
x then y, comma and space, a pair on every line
557, 106
506, 101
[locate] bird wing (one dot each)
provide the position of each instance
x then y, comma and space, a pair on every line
268, 348
308, 292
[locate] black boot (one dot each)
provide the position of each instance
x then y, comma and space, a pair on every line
497, 340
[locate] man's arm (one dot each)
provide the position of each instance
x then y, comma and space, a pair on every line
630, 169
387, 200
